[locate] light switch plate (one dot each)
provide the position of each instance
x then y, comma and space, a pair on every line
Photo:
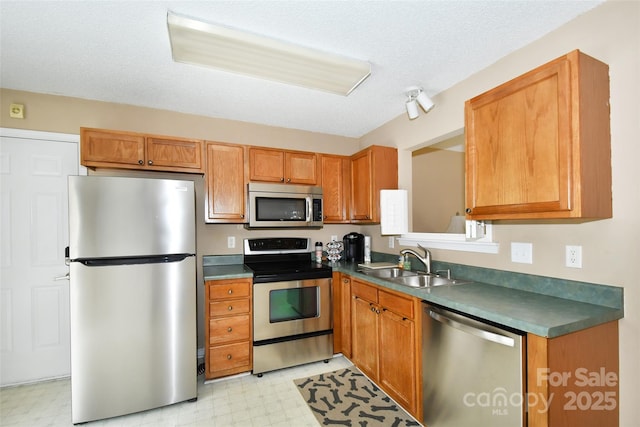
522, 252
231, 242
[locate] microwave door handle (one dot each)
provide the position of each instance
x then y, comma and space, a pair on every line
309, 204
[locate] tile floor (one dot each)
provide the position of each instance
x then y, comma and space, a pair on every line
246, 401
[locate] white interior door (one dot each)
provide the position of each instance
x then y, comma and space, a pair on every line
34, 307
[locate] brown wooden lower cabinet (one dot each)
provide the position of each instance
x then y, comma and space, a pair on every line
384, 342
572, 380
579, 374
342, 314
228, 333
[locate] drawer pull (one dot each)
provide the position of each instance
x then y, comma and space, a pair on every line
230, 291
229, 329
228, 357
230, 307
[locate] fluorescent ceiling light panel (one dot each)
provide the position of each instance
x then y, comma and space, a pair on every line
200, 43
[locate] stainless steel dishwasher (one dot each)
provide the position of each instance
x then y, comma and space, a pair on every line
473, 372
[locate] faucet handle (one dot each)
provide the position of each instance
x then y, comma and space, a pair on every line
426, 251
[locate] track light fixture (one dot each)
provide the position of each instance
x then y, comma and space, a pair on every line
415, 96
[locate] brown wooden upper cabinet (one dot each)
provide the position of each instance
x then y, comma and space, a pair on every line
373, 169
225, 183
336, 188
129, 150
291, 167
539, 146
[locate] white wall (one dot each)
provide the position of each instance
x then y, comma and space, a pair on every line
611, 248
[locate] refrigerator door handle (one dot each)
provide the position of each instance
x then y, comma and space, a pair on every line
157, 259
473, 330
65, 277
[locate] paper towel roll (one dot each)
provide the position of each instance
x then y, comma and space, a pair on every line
367, 249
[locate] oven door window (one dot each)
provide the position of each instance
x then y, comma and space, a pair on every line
281, 209
293, 304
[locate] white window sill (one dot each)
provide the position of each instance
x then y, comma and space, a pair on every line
452, 242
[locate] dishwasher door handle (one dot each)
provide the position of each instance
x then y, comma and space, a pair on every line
473, 330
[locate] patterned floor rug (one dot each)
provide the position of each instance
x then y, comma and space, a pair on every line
347, 398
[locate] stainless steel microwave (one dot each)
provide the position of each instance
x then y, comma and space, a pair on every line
284, 205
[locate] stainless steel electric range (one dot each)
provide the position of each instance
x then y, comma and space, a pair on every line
292, 307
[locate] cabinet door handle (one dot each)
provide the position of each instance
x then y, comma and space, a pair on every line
229, 329
288, 179
150, 162
141, 162
282, 179
468, 210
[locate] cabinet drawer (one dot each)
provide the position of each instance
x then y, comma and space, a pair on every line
364, 291
229, 329
230, 356
397, 304
229, 307
229, 289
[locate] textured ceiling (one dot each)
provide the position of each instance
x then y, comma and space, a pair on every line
118, 51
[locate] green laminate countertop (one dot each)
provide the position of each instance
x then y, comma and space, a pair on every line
536, 313
219, 272
218, 267
542, 306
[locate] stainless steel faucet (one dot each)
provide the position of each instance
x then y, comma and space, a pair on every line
426, 259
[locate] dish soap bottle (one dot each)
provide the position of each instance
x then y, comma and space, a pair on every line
406, 264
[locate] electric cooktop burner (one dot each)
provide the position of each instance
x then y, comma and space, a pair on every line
276, 259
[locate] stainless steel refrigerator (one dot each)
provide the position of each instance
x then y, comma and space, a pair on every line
133, 295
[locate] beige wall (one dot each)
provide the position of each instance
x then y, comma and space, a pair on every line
438, 183
66, 115
611, 248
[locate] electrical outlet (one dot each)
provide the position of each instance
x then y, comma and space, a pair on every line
231, 242
334, 238
392, 242
522, 252
573, 256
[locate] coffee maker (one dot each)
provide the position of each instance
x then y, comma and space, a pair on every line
353, 247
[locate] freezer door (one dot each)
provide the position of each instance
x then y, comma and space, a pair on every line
133, 337
128, 217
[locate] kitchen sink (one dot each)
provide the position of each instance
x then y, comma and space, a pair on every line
426, 281
389, 273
